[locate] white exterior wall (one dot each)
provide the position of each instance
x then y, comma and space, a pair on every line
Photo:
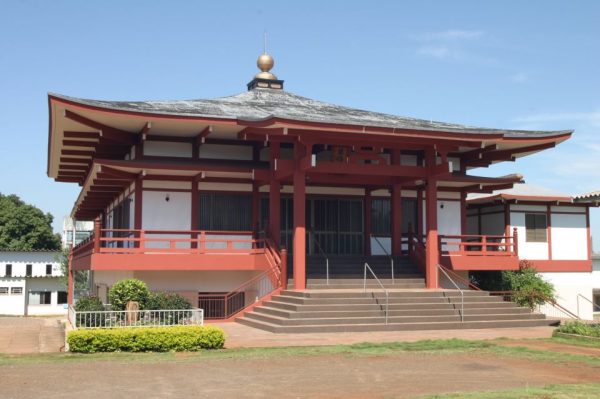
569, 237
572, 289
160, 214
187, 283
18, 304
52, 285
13, 304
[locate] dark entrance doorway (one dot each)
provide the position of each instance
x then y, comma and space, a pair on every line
336, 224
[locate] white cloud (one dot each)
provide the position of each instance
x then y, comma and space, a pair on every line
440, 52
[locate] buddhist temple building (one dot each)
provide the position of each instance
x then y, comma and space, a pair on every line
268, 188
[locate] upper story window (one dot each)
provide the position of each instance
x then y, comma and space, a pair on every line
536, 226
8, 271
48, 270
28, 270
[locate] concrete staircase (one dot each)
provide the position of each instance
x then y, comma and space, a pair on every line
345, 310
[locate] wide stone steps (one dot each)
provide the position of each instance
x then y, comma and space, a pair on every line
284, 321
356, 310
454, 325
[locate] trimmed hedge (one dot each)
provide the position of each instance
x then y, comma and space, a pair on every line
152, 339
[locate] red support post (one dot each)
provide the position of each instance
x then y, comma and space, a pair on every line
432, 249
138, 198
97, 233
515, 242
195, 206
368, 221
299, 220
463, 213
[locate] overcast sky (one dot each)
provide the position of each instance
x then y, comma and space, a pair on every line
510, 64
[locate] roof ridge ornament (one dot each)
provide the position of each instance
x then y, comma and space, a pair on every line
265, 79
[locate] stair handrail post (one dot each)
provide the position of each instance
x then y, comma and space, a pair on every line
385, 291
462, 294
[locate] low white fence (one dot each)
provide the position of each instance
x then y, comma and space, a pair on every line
135, 318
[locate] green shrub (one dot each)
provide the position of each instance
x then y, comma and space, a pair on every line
158, 339
126, 291
529, 288
580, 328
166, 301
89, 303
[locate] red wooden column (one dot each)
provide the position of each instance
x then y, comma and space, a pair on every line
368, 203
432, 248
396, 206
463, 212
299, 220
274, 197
138, 198
195, 207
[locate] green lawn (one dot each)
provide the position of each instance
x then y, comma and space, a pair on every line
567, 391
448, 346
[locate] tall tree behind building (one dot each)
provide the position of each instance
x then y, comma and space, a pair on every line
24, 226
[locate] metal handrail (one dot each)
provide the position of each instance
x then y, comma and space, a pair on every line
594, 304
462, 294
387, 254
387, 295
323, 253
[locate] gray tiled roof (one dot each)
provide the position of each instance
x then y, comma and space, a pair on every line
258, 104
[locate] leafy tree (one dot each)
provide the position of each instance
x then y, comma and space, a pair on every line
128, 290
25, 227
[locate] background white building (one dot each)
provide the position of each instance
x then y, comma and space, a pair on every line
31, 284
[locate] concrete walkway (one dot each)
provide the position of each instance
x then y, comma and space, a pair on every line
240, 336
31, 334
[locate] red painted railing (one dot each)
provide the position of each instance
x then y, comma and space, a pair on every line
130, 241
479, 245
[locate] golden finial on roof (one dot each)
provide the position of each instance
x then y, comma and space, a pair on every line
265, 63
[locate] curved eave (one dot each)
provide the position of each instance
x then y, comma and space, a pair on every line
511, 144
520, 198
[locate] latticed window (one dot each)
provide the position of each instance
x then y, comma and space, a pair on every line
228, 212
536, 227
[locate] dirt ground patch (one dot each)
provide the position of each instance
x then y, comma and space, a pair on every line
397, 375
552, 346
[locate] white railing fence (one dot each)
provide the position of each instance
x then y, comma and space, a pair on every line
135, 318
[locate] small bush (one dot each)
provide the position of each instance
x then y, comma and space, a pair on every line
158, 339
530, 289
89, 303
166, 301
128, 290
579, 328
